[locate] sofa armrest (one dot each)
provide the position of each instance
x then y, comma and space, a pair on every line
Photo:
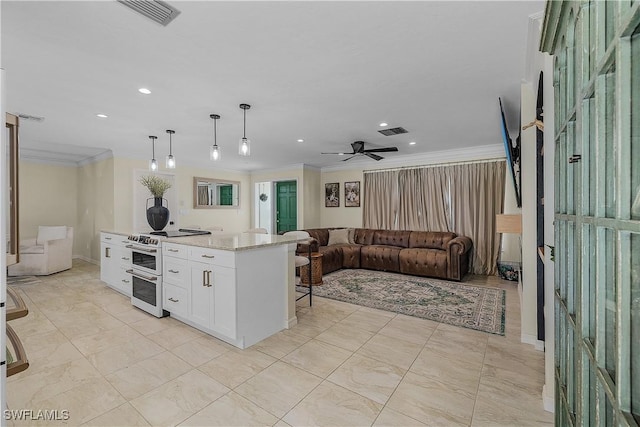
458, 253
458, 246
303, 248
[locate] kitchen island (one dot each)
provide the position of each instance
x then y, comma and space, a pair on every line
236, 287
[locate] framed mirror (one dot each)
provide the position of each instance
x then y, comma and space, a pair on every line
212, 193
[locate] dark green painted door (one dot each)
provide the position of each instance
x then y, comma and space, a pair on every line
225, 195
287, 206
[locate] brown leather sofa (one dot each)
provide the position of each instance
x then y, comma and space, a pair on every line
421, 253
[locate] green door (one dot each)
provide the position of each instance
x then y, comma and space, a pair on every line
286, 206
225, 195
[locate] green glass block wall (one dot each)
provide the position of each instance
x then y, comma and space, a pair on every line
596, 45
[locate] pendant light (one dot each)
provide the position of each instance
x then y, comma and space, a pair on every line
153, 163
171, 161
244, 148
214, 153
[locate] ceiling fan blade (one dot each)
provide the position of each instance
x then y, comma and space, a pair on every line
357, 146
373, 156
381, 150
333, 153
349, 158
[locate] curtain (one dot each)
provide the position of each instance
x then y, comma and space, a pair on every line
424, 199
203, 195
380, 203
477, 196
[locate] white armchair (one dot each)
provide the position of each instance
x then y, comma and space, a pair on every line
48, 253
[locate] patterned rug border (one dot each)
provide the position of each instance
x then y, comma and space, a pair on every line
384, 305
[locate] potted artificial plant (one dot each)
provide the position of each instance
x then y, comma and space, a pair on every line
157, 215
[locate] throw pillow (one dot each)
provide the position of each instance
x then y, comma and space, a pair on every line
338, 237
352, 236
46, 233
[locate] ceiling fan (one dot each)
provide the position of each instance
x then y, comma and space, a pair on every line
358, 150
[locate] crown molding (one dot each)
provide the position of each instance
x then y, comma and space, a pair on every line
482, 152
55, 158
97, 158
295, 166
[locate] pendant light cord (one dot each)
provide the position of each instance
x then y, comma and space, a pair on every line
215, 133
244, 129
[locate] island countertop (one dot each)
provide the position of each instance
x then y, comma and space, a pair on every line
231, 241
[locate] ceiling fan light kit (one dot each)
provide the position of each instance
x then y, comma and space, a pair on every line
244, 146
214, 152
153, 163
171, 161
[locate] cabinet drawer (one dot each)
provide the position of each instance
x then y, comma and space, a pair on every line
212, 256
177, 251
122, 282
176, 271
124, 255
114, 239
174, 299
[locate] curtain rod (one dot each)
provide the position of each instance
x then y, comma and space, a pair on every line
437, 165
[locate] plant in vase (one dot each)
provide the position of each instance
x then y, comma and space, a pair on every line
157, 215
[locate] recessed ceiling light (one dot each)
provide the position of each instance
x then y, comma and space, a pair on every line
301, 140
102, 116
144, 90
412, 143
384, 124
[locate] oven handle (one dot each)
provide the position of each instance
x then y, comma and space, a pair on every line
141, 276
136, 248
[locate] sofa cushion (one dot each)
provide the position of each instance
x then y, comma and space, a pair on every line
351, 256
377, 257
320, 234
35, 249
391, 238
331, 258
338, 237
430, 239
46, 233
363, 236
424, 262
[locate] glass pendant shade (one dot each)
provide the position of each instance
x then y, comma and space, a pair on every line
214, 153
171, 161
244, 147
153, 163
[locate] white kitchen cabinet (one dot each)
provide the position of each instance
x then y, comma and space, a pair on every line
115, 260
237, 295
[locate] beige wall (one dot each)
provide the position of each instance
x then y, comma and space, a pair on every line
232, 220
341, 216
47, 197
312, 198
95, 208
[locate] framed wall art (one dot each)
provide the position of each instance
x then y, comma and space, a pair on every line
332, 195
352, 194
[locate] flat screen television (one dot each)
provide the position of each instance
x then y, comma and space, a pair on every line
513, 154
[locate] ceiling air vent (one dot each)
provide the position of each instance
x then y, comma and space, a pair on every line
156, 10
393, 131
29, 117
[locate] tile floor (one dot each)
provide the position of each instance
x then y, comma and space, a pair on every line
109, 364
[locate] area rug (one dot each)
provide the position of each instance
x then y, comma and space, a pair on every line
22, 280
458, 304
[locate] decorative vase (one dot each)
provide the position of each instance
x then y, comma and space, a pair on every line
157, 215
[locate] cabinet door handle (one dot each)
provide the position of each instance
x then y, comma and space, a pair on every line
208, 278
173, 300
107, 252
208, 256
172, 250
107, 238
204, 275
126, 242
125, 258
125, 281
174, 271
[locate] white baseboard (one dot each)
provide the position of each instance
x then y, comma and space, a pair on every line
84, 258
532, 340
548, 400
292, 322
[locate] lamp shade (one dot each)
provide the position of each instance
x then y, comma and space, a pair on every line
509, 223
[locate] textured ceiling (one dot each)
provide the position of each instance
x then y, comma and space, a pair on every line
325, 72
